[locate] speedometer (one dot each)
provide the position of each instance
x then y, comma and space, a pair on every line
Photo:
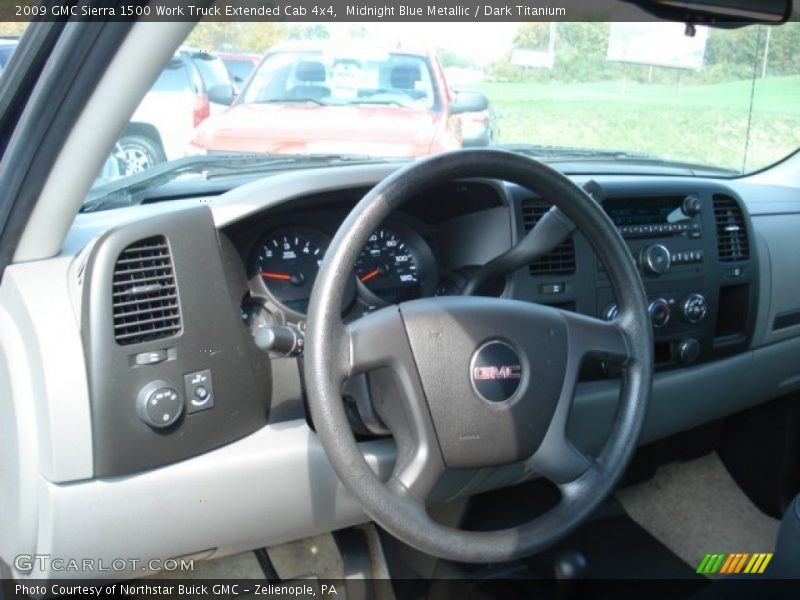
396, 265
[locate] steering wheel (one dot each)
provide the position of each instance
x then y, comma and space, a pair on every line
471, 382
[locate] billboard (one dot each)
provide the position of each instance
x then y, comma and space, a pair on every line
657, 44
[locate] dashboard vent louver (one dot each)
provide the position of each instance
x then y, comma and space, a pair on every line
145, 294
732, 242
561, 261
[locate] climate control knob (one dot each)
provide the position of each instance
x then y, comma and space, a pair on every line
694, 308
659, 311
655, 259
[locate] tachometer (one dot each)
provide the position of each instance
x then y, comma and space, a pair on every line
396, 265
287, 262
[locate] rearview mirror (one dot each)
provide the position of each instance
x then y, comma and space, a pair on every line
711, 11
221, 93
469, 102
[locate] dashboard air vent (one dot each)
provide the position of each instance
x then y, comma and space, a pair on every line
145, 294
561, 261
732, 243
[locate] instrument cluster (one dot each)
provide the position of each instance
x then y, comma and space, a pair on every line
397, 264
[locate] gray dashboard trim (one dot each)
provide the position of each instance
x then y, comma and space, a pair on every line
779, 249
690, 397
254, 197
271, 487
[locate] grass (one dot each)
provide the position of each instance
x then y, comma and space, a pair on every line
705, 124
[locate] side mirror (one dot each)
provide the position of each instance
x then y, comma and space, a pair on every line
221, 93
469, 102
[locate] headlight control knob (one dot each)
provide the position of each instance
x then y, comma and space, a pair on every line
159, 404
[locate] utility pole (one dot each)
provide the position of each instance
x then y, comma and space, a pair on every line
766, 52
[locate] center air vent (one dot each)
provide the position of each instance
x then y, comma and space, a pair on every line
560, 261
145, 295
732, 243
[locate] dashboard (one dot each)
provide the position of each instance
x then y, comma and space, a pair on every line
203, 318
690, 242
164, 302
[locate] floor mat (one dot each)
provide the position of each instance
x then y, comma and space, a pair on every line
616, 547
695, 508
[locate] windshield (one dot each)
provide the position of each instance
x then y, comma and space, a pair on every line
341, 76
638, 97
211, 68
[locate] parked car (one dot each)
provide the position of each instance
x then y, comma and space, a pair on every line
314, 97
240, 66
193, 85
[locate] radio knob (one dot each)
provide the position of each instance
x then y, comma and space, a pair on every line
655, 259
659, 311
691, 205
694, 308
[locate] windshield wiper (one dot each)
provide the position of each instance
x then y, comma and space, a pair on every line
299, 100
568, 153
556, 152
367, 101
130, 190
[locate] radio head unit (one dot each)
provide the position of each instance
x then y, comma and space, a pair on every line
658, 216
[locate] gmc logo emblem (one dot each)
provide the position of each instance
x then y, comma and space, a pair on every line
492, 373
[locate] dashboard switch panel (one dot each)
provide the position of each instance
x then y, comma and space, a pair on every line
199, 391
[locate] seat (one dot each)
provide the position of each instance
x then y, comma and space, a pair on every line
404, 78
311, 75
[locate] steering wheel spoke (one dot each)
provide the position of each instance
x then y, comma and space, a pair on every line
557, 458
378, 343
593, 337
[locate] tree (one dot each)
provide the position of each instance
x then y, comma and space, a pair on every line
449, 58
532, 36
12, 28
309, 32
248, 36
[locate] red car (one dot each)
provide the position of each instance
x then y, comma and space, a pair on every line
314, 98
